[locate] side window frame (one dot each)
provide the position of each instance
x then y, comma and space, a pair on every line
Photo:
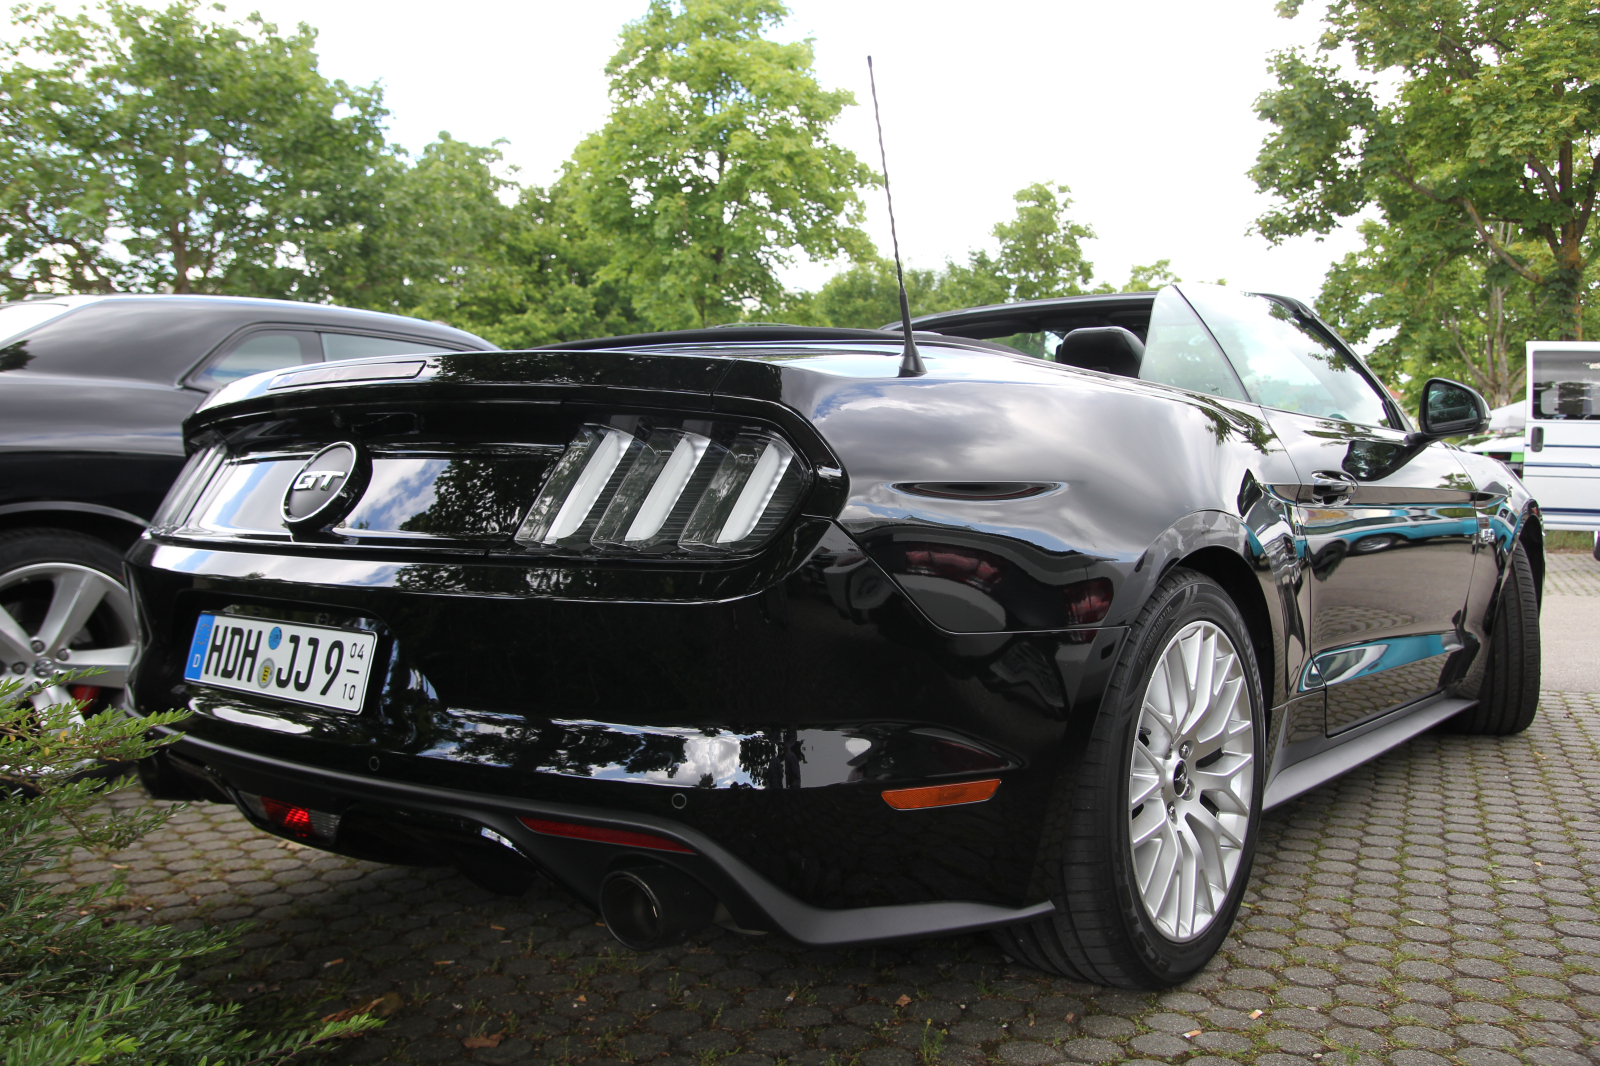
1394, 418
1216, 347
1391, 408
428, 345
310, 343
1397, 416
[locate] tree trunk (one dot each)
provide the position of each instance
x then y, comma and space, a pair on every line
180, 259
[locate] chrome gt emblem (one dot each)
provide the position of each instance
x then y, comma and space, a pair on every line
325, 488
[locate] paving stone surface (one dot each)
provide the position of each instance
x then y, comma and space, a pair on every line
1571, 574
1439, 905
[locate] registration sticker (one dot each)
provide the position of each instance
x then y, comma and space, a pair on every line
318, 665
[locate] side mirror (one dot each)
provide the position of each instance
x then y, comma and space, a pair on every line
1451, 409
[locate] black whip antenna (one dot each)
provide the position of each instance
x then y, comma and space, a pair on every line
911, 364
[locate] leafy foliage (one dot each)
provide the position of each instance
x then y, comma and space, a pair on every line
1039, 251
538, 281
1484, 146
1040, 256
1462, 317
155, 150
77, 986
149, 150
715, 163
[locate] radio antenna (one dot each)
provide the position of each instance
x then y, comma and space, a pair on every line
911, 365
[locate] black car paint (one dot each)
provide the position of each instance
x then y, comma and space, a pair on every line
884, 615
92, 402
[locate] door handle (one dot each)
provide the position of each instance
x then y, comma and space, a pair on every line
1327, 487
1536, 439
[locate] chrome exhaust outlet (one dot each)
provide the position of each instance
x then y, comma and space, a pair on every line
654, 906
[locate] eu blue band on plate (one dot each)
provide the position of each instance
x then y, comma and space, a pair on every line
197, 649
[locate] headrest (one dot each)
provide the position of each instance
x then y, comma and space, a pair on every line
1111, 349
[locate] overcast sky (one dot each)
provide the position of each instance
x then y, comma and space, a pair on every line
1144, 109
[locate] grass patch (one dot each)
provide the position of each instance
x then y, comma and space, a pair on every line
1568, 540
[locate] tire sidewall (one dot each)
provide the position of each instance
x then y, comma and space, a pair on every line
1193, 599
34, 546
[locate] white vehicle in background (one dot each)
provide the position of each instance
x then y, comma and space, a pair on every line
1505, 440
1561, 464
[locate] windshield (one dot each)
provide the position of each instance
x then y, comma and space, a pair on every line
1282, 360
1566, 385
18, 318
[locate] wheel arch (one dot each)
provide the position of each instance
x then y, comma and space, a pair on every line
1240, 582
1531, 537
117, 528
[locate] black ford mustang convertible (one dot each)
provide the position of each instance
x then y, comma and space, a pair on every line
764, 626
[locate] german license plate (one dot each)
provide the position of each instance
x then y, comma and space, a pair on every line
318, 665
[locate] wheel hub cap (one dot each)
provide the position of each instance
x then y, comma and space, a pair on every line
60, 616
1191, 781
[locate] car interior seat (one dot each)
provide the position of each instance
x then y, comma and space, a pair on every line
1109, 349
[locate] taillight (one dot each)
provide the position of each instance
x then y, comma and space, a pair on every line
653, 488
185, 491
291, 818
604, 834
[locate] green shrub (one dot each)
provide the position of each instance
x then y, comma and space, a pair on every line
76, 986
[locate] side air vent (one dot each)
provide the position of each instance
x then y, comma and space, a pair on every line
658, 487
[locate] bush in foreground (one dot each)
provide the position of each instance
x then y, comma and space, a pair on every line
76, 986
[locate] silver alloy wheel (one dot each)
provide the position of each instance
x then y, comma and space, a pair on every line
87, 623
1191, 781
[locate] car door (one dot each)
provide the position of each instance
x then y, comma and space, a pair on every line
1389, 525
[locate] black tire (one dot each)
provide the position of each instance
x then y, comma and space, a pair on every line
1101, 931
110, 624
1597, 546
1509, 696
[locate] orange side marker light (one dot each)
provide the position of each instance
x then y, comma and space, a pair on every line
913, 799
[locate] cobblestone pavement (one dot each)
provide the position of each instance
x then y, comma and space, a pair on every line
1571, 574
1437, 905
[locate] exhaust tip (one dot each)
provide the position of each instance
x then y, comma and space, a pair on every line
654, 906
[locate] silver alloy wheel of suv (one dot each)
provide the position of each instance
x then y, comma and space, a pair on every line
1190, 781
62, 616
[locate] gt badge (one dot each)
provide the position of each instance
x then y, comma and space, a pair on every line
325, 488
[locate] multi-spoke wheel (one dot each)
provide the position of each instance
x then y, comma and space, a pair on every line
63, 607
1155, 834
1189, 781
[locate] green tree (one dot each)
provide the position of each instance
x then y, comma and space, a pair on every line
716, 164
1485, 137
1039, 257
415, 231
863, 296
539, 280
1151, 277
1039, 251
1458, 316
152, 150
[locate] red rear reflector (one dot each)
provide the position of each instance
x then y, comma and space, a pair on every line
911, 799
296, 820
1088, 601
625, 837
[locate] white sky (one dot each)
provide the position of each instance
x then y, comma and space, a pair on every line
1144, 109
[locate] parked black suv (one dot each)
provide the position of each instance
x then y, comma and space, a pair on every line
93, 394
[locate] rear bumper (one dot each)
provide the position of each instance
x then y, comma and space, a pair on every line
760, 730
453, 822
